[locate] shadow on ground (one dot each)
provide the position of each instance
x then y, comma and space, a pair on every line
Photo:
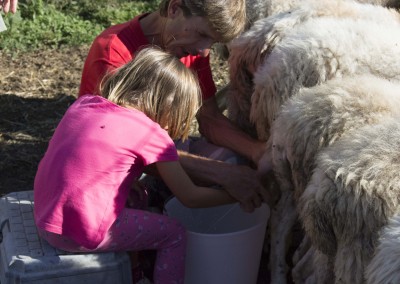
26, 125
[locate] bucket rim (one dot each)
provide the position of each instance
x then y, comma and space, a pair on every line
264, 223
222, 235
264, 206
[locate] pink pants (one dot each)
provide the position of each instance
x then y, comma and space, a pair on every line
136, 230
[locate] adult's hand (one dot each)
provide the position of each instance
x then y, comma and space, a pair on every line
9, 5
243, 184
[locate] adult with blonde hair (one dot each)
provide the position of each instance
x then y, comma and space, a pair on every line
101, 147
188, 29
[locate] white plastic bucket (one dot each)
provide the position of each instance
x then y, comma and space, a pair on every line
224, 242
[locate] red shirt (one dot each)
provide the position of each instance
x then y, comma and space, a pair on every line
117, 45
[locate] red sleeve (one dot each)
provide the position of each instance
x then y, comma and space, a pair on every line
116, 46
206, 80
90, 80
104, 55
201, 65
109, 50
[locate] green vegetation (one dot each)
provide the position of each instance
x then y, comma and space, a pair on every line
56, 23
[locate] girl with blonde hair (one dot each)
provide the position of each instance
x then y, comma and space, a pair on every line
102, 146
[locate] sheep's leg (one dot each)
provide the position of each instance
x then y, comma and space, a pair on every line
303, 262
302, 250
284, 214
283, 218
304, 268
328, 232
352, 259
385, 264
314, 212
323, 268
311, 280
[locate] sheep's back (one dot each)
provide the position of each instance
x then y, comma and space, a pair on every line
319, 116
355, 187
317, 51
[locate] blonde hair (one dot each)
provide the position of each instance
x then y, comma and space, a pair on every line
160, 86
226, 17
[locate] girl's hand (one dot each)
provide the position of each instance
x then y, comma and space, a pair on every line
243, 183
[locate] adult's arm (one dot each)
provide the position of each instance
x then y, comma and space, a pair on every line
240, 181
93, 72
218, 129
104, 56
186, 191
9, 5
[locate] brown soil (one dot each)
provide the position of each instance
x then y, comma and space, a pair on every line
36, 88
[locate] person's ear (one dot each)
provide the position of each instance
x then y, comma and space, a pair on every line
174, 8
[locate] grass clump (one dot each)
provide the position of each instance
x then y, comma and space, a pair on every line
56, 23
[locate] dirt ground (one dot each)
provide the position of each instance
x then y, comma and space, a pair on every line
36, 88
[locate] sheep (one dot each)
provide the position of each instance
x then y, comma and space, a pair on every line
306, 47
309, 121
253, 49
385, 265
255, 10
317, 51
353, 192
260, 9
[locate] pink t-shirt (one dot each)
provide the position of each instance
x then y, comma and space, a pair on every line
84, 178
117, 45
